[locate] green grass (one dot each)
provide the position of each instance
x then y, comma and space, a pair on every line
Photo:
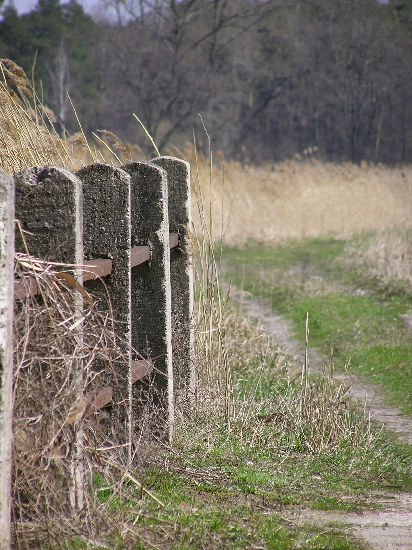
243, 486
347, 322
234, 489
233, 495
241, 515
390, 366
350, 313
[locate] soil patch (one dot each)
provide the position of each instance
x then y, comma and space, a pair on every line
389, 529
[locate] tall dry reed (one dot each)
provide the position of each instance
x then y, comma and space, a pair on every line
301, 198
385, 254
214, 377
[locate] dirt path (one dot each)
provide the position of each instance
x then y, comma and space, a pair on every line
391, 528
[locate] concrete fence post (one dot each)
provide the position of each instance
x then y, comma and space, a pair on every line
48, 208
151, 293
106, 211
6, 351
49, 211
181, 276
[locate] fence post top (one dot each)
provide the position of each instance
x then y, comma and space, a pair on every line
4, 174
135, 166
104, 169
5, 182
171, 160
37, 174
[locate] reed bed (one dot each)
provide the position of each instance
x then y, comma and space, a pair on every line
29, 133
303, 197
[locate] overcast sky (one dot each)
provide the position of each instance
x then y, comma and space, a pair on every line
24, 6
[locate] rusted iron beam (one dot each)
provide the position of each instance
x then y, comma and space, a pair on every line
95, 269
97, 399
140, 369
101, 397
28, 288
173, 240
139, 255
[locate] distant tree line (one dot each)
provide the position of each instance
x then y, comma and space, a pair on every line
267, 79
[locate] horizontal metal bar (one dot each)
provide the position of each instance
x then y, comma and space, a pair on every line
141, 368
173, 240
28, 288
94, 269
97, 268
139, 255
97, 399
101, 397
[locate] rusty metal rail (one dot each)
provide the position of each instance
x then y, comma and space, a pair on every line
94, 269
101, 397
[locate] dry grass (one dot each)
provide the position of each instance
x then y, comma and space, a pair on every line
274, 403
65, 349
29, 135
213, 370
387, 255
313, 414
303, 198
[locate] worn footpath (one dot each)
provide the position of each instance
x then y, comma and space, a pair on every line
391, 527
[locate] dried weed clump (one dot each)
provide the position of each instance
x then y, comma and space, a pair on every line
387, 255
29, 131
65, 349
269, 400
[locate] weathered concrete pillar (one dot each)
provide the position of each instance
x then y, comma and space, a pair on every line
151, 294
106, 219
49, 205
181, 275
6, 351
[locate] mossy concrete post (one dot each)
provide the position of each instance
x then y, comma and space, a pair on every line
50, 227
181, 276
6, 351
151, 294
106, 221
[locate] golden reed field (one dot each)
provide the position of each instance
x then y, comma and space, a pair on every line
301, 198
294, 199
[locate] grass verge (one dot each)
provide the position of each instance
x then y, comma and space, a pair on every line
243, 484
352, 313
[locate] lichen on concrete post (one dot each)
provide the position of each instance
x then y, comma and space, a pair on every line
151, 293
181, 275
106, 220
6, 351
49, 205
